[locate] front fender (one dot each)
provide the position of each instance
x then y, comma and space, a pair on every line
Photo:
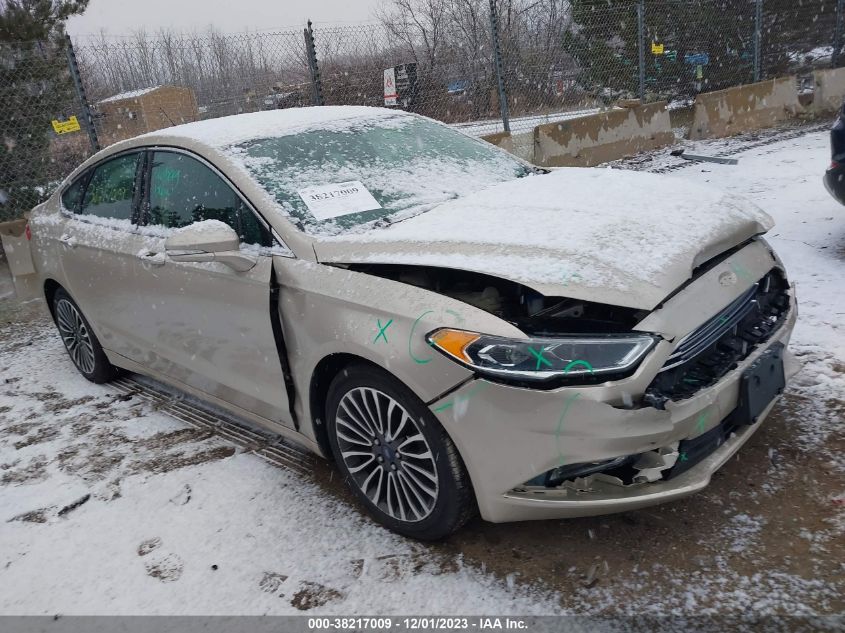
328, 310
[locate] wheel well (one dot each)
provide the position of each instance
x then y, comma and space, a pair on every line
324, 373
50, 288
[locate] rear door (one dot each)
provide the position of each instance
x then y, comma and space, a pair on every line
209, 327
99, 246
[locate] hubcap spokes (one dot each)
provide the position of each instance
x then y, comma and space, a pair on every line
75, 336
386, 454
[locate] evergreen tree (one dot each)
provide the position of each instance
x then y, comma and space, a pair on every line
35, 88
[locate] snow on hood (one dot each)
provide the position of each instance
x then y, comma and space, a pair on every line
612, 236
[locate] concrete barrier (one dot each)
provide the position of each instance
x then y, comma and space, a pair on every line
603, 137
520, 144
745, 108
829, 90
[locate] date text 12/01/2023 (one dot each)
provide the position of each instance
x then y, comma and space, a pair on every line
422, 623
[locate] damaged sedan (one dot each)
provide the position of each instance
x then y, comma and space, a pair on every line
461, 332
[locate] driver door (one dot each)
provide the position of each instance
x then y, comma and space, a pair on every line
206, 325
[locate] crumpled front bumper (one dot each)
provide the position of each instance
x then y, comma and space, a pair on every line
510, 435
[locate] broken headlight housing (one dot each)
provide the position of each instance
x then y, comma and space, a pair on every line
568, 359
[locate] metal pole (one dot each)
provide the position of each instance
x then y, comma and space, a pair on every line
314, 69
497, 55
641, 46
87, 119
758, 38
837, 34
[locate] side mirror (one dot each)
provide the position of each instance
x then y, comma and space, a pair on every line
208, 241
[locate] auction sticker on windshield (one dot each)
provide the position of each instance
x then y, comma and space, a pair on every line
336, 199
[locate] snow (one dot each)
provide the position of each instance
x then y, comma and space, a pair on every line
269, 532
147, 537
205, 226
225, 131
622, 231
520, 123
131, 94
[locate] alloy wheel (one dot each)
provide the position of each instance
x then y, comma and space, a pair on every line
386, 454
74, 333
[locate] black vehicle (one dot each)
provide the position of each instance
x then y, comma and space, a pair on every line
834, 178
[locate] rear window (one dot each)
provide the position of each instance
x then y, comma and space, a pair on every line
388, 169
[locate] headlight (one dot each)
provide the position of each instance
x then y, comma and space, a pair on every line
578, 358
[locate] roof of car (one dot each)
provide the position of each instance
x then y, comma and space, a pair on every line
240, 128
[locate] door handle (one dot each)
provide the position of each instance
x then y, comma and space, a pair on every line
154, 259
68, 241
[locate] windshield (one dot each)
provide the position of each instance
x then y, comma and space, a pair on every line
372, 172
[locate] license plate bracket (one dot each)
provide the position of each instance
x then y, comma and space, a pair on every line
760, 384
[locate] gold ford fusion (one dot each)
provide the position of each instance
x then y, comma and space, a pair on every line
458, 330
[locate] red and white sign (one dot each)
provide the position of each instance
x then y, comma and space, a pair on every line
390, 95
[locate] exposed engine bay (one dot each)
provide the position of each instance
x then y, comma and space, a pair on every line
525, 308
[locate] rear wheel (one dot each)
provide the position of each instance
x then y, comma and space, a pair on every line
395, 456
80, 341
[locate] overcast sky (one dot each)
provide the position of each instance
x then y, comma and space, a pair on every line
121, 17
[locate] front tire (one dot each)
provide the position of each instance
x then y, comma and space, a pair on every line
79, 339
395, 456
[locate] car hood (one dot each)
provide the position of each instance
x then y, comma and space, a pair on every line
610, 236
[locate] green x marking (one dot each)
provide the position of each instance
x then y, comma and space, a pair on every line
382, 331
702, 420
683, 457
540, 357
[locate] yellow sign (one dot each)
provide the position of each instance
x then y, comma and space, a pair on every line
656, 49
63, 127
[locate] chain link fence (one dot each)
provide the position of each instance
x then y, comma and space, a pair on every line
551, 59
36, 90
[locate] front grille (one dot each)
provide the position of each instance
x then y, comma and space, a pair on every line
705, 355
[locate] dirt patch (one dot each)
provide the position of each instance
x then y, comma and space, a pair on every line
313, 594
149, 545
168, 463
172, 438
167, 569
33, 471
33, 516
44, 434
19, 429
271, 582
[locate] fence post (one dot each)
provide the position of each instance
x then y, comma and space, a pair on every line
313, 68
641, 46
87, 119
758, 38
497, 62
837, 34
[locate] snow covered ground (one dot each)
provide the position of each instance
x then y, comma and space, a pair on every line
108, 505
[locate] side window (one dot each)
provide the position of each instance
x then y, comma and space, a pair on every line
72, 197
184, 191
110, 191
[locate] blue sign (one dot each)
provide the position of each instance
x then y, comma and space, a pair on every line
697, 59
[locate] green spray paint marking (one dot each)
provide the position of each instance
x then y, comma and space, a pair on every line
382, 331
567, 277
702, 420
461, 398
739, 270
418, 361
684, 457
540, 357
575, 363
566, 406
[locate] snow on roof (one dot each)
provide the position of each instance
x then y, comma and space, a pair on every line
239, 128
132, 94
